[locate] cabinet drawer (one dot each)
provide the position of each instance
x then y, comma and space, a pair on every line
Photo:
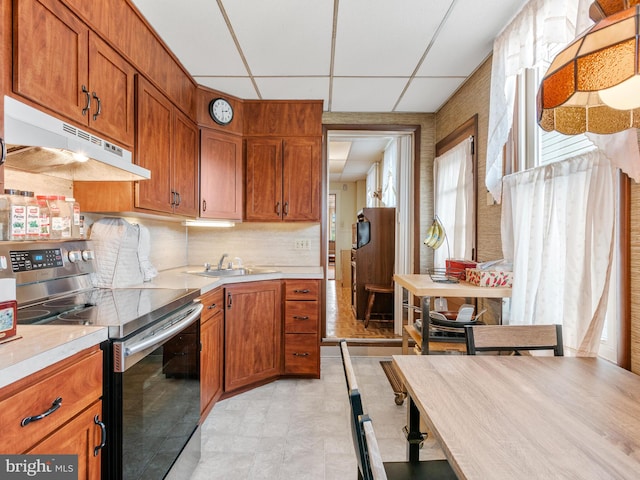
302, 290
78, 385
301, 317
301, 354
213, 303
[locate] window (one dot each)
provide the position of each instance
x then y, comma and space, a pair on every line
455, 187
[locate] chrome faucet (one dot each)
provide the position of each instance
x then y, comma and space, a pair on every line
224, 255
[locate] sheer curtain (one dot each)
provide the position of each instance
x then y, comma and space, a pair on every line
558, 228
524, 43
453, 202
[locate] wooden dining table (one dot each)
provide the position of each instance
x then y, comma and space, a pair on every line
528, 417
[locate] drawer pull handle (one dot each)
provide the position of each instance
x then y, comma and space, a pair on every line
54, 406
297, 317
103, 438
212, 306
306, 290
305, 354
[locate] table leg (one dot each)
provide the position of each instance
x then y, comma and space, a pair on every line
414, 436
425, 303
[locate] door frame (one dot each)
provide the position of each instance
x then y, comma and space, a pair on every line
415, 131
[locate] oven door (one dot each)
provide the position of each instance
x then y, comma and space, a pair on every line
154, 397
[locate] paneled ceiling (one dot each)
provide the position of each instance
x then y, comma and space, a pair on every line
355, 55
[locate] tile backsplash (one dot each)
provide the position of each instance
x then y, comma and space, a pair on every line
174, 245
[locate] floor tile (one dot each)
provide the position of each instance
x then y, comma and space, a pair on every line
299, 429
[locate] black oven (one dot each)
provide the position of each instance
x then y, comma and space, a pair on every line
153, 406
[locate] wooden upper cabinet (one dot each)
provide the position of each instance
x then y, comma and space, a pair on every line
111, 80
184, 164
61, 65
51, 57
283, 179
264, 179
167, 144
301, 179
221, 175
153, 148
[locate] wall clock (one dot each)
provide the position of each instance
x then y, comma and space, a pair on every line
221, 111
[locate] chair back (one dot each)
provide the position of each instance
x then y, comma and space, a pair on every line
355, 413
514, 338
374, 456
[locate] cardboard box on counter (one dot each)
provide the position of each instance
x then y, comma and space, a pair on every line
489, 278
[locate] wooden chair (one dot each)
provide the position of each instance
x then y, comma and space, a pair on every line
514, 338
373, 290
370, 465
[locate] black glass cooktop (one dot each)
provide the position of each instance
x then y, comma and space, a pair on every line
123, 310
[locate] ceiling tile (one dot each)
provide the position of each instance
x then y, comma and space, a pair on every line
240, 87
383, 38
428, 94
196, 33
366, 94
467, 36
294, 88
283, 37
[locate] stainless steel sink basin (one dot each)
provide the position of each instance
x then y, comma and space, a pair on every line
225, 272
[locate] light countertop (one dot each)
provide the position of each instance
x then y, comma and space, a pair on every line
44, 345
180, 278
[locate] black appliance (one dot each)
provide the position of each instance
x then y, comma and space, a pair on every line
151, 396
361, 232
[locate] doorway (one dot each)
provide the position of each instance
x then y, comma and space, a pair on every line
366, 167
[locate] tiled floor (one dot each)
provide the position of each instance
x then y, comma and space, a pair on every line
299, 429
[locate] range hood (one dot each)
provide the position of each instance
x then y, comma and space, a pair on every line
40, 143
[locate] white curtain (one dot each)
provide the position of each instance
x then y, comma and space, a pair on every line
453, 202
389, 194
558, 228
526, 43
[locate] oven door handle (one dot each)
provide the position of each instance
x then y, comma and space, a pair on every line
165, 334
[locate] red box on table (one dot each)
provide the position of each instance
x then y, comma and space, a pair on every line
457, 268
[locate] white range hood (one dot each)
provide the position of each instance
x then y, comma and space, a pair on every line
40, 143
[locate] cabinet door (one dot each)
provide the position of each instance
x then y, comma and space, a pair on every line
153, 150
111, 79
50, 64
301, 179
221, 176
211, 362
78, 437
184, 170
253, 333
264, 180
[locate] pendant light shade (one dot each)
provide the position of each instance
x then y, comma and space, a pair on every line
593, 85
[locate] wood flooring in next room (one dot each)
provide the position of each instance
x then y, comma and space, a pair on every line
341, 323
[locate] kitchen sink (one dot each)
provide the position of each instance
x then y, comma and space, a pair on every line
232, 272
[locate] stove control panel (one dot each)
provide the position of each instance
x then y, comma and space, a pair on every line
24, 261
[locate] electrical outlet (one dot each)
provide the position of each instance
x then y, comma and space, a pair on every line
302, 244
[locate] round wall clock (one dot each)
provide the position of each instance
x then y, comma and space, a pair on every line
221, 111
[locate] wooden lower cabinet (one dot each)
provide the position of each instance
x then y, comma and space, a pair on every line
212, 350
253, 333
78, 437
302, 328
73, 428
